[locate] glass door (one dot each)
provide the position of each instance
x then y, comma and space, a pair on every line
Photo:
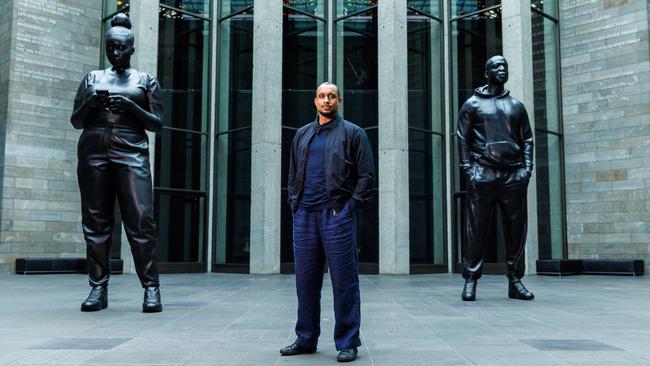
475, 37
331, 41
180, 185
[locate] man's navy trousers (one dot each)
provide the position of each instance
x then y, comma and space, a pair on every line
319, 235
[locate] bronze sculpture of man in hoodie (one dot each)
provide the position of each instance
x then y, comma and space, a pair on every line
495, 144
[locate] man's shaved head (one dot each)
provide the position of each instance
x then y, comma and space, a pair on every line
327, 83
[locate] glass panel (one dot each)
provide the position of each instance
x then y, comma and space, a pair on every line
356, 76
231, 6
426, 198
458, 203
356, 68
179, 161
545, 73
344, 7
180, 221
432, 7
547, 6
425, 149
550, 218
183, 68
367, 217
113, 6
460, 7
236, 72
425, 73
233, 192
316, 7
286, 234
303, 67
287, 138
474, 41
233, 155
201, 7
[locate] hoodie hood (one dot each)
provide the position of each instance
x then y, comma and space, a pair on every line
484, 93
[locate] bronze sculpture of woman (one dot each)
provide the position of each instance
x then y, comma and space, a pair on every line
114, 107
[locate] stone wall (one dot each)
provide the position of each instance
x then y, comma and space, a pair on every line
606, 106
54, 44
6, 11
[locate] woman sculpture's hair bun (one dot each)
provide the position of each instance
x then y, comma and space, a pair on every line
121, 20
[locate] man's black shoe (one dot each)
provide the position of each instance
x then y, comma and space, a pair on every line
347, 355
97, 299
517, 290
296, 349
469, 290
151, 303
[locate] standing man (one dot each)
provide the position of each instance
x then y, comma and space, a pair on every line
331, 173
495, 144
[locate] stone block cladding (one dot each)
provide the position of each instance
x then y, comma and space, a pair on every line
53, 43
605, 62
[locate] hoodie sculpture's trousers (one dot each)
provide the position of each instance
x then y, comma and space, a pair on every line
488, 188
114, 163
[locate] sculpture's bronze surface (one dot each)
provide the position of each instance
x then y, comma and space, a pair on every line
495, 144
114, 107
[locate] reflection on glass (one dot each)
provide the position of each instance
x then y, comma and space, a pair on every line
183, 68
459, 219
179, 160
368, 216
460, 7
356, 76
345, 7
302, 70
231, 6
233, 193
547, 6
356, 68
236, 72
233, 150
425, 147
180, 227
474, 39
550, 220
432, 7
426, 198
303, 67
547, 146
201, 7
316, 7
425, 73
286, 233
545, 73
183, 62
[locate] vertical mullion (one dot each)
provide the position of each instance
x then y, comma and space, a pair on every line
330, 32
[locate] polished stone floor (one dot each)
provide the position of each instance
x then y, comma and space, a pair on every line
226, 319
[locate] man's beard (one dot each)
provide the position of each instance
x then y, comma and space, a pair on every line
331, 114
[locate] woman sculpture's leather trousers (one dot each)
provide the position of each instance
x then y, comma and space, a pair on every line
488, 187
114, 163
